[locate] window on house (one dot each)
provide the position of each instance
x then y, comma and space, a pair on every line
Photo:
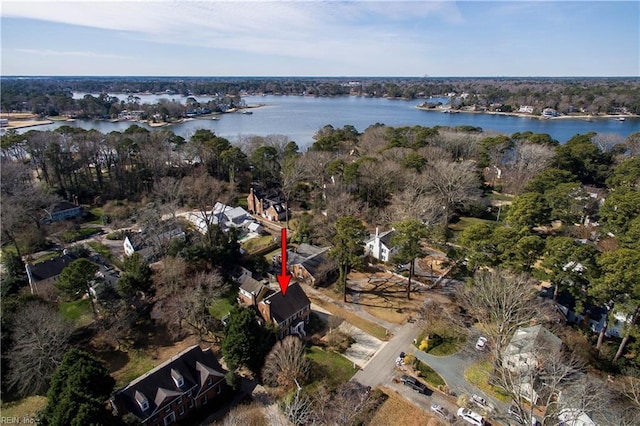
189, 394
168, 409
204, 400
209, 381
219, 390
190, 403
169, 419
179, 401
181, 410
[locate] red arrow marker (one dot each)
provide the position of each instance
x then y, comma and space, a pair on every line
284, 278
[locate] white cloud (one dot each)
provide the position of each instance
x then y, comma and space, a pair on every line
50, 52
304, 29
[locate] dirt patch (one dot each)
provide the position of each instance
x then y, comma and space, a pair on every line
384, 296
398, 411
26, 123
18, 115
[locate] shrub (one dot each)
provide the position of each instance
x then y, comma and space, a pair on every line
339, 341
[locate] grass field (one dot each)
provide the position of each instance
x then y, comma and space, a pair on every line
221, 307
332, 367
78, 311
429, 375
79, 234
478, 374
138, 363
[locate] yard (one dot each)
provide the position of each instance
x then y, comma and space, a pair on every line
25, 409
478, 374
126, 366
330, 366
398, 411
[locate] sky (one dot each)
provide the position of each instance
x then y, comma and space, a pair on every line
413, 38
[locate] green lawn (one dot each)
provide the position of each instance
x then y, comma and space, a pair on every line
221, 307
465, 222
47, 256
443, 342
256, 244
103, 250
96, 214
478, 374
79, 234
429, 375
138, 364
330, 366
78, 311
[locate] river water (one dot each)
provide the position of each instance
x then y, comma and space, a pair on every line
300, 117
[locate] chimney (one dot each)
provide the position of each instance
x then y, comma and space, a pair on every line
377, 233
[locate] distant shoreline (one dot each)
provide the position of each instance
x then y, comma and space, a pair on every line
584, 117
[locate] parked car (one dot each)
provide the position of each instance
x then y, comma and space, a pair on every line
481, 344
414, 384
442, 412
470, 417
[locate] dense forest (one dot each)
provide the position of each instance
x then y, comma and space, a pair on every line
53, 95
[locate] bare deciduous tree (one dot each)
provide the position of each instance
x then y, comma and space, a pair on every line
501, 301
40, 339
286, 365
524, 162
454, 183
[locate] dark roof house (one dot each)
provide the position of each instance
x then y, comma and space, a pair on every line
43, 275
289, 312
173, 390
311, 264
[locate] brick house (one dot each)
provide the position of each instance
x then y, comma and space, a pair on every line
173, 390
289, 312
270, 208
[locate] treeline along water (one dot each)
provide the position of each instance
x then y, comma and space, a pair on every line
300, 117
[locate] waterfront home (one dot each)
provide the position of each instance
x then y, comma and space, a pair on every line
525, 109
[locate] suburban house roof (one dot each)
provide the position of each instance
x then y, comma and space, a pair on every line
385, 237
49, 268
312, 258
191, 368
284, 307
526, 339
62, 206
250, 284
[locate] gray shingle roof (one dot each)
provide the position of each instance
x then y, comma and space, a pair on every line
283, 307
159, 387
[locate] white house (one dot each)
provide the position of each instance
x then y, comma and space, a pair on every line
573, 417
224, 216
379, 245
527, 109
527, 344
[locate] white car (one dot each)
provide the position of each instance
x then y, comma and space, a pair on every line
481, 344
